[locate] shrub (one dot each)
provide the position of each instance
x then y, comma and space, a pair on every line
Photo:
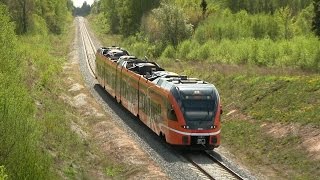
200, 34
193, 53
204, 51
38, 25
184, 48
19, 150
169, 52
3, 175
167, 24
102, 23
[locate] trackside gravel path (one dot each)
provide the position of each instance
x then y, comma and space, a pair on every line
162, 158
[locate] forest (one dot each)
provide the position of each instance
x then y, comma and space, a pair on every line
280, 33
30, 32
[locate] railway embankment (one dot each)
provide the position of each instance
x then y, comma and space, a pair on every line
271, 116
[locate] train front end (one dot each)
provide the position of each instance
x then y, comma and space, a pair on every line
196, 105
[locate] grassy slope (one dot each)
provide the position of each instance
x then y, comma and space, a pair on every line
68, 155
74, 157
46, 56
259, 95
261, 98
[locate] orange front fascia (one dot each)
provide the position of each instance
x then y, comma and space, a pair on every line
175, 133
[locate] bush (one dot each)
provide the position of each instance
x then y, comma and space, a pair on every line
3, 175
184, 48
39, 26
193, 53
169, 52
204, 51
20, 134
166, 24
302, 52
102, 23
200, 35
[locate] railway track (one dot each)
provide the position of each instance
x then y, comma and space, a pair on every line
210, 166
89, 48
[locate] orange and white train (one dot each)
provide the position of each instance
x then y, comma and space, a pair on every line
185, 111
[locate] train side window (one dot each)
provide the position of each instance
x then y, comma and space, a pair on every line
171, 113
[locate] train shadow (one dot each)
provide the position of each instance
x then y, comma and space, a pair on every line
140, 129
216, 155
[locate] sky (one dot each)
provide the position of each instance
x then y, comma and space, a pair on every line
78, 3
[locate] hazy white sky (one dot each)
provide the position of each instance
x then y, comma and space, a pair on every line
78, 3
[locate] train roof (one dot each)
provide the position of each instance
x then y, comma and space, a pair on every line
112, 51
128, 58
183, 83
165, 74
115, 51
157, 75
110, 47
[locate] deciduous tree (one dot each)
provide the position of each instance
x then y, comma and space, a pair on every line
316, 18
168, 25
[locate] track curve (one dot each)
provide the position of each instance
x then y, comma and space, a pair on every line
209, 167
89, 48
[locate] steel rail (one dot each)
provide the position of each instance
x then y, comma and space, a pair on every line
89, 38
188, 158
236, 175
85, 36
224, 168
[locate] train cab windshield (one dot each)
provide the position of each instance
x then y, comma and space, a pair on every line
199, 106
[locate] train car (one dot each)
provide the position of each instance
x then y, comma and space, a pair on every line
184, 111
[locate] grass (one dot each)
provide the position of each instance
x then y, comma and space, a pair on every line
75, 157
113, 171
37, 141
270, 98
70, 153
105, 39
273, 98
21, 154
251, 145
3, 175
45, 57
261, 88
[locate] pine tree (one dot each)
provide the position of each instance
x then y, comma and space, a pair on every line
316, 18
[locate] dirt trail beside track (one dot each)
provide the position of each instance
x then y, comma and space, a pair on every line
110, 144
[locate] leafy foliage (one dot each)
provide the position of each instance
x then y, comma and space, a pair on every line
316, 18
166, 24
124, 16
262, 6
19, 150
27, 14
84, 10
3, 175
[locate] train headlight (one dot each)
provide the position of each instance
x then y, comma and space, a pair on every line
185, 127
213, 127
